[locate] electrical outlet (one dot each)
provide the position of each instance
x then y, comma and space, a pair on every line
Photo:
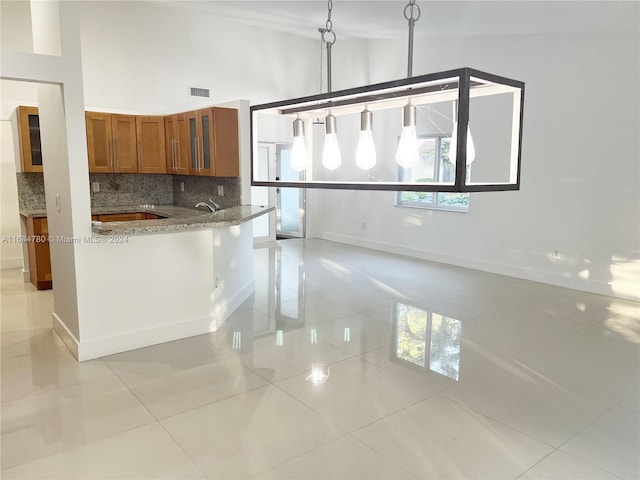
182, 186
218, 280
364, 225
95, 187
220, 190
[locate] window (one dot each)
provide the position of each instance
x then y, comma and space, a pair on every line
433, 164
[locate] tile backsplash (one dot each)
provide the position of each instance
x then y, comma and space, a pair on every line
201, 189
137, 189
31, 191
131, 189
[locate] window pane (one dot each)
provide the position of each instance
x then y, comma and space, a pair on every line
453, 199
424, 171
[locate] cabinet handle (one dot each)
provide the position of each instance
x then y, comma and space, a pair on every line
175, 155
139, 151
110, 149
197, 154
116, 154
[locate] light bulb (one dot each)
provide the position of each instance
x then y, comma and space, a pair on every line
331, 158
299, 150
453, 146
366, 151
407, 153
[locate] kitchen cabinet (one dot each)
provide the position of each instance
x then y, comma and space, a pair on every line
39, 256
29, 133
200, 129
111, 143
151, 144
177, 144
213, 142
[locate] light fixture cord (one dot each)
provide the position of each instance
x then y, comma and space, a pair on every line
412, 14
329, 37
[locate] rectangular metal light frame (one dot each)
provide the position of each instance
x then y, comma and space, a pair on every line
460, 84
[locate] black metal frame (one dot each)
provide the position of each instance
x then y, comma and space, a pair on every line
463, 84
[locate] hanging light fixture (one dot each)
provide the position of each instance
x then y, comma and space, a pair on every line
366, 151
502, 98
299, 155
331, 158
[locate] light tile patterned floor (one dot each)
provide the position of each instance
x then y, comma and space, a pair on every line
435, 372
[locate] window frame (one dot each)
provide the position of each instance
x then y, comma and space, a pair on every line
438, 163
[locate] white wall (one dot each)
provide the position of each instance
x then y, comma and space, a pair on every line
142, 56
580, 191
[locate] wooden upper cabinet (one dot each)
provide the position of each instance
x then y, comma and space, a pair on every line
111, 143
201, 148
177, 144
29, 130
226, 151
151, 144
124, 143
213, 142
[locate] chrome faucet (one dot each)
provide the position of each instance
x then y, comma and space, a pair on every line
212, 206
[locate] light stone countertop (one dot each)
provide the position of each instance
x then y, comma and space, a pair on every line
178, 218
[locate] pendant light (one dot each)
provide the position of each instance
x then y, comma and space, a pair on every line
366, 151
407, 153
331, 157
299, 150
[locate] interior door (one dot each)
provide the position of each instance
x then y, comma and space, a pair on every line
290, 202
264, 227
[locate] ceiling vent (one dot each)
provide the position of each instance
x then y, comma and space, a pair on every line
198, 92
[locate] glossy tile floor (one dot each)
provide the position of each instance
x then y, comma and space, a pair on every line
435, 372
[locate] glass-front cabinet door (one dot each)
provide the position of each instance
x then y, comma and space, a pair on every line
29, 127
201, 142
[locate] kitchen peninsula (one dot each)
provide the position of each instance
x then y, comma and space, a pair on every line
186, 274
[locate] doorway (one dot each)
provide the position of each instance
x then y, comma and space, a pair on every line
274, 161
290, 202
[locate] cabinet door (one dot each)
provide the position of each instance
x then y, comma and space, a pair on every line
151, 148
182, 145
207, 147
226, 152
30, 148
99, 142
39, 253
177, 144
194, 142
124, 143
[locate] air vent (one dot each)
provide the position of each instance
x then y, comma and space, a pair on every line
198, 92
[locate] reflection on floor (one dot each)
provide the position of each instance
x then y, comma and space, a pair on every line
434, 372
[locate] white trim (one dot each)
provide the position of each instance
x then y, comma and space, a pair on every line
99, 347
501, 269
124, 342
67, 337
222, 310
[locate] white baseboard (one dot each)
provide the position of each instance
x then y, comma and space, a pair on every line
223, 310
501, 269
13, 262
100, 347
